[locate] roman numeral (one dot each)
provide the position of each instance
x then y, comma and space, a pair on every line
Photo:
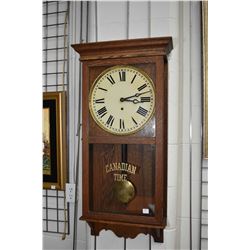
142, 87
102, 112
102, 89
101, 100
122, 125
134, 120
145, 99
110, 120
122, 76
142, 111
110, 78
133, 78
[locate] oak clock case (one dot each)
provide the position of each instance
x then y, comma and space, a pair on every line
125, 136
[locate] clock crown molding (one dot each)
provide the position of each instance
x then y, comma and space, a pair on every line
124, 48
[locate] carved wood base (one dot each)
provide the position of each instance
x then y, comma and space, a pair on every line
126, 231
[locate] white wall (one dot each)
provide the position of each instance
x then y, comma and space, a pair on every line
180, 20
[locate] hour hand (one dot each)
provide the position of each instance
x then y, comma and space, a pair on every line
135, 101
128, 100
123, 99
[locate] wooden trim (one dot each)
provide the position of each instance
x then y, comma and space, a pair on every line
123, 218
85, 145
124, 48
126, 230
122, 140
159, 161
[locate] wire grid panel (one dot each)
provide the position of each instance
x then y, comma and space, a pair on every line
204, 207
55, 216
55, 65
55, 45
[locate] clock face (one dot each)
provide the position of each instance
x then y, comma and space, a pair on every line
122, 100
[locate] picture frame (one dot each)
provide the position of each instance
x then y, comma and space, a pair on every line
204, 15
54, 140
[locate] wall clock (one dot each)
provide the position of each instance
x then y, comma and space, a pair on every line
124, 112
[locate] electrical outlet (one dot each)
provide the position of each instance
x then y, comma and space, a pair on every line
70, 192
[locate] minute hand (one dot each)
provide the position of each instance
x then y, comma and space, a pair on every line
135, 95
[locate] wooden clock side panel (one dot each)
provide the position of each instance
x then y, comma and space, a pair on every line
161, 130
85, 139
165, 144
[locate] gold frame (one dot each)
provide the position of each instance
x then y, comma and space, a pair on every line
92, 88
204, 12
60, 124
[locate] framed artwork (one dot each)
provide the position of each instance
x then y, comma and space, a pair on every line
54, 141
204, 12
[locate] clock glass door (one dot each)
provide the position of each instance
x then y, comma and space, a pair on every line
122, 178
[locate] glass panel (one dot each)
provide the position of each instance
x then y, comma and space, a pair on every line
122, 178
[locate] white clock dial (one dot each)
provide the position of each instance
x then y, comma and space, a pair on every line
122, 100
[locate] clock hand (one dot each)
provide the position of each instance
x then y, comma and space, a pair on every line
135, 101
139, 94
126, 100
122, 99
